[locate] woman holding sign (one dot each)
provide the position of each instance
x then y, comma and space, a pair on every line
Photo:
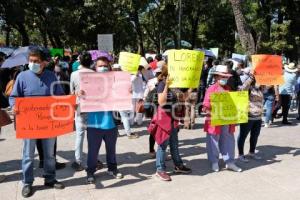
220, 138
166, 131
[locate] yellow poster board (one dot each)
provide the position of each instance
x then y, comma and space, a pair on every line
184, 67
229, 108
129, 62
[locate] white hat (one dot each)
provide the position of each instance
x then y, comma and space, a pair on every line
116, 66
144, 63
292, 68
222, 70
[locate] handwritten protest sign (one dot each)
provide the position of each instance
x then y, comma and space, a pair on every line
229, 108
184, 67
268, 69
129, 62
105, 91
215, 51
56, 51
105, 42
44, 117
239, 56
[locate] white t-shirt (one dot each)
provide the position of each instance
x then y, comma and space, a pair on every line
138, 86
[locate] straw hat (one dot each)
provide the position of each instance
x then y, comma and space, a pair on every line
292, 68
222, 70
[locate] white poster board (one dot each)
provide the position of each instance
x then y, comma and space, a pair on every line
105, 42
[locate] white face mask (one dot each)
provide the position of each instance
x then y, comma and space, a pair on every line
34, 67
223, 81
101, 69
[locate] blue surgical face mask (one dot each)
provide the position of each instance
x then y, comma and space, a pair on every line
34, 67
223, 81
102, 69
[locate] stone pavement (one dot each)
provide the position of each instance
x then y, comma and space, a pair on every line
276, 177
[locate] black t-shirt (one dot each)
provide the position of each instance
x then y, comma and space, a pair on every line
171, 97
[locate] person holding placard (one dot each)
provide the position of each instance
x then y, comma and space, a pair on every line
101, 127
164, 117
256, 99
220, 139
37, 82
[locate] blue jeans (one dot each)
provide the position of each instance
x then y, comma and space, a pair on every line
95, 137
161, 152
28, 159
253, 126
269, 100
125, 117
80, 124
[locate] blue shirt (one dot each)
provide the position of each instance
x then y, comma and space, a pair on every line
101, 120
290, 81
29, 84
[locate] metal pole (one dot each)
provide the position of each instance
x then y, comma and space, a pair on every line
179, 24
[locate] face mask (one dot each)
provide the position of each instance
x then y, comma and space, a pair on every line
34, 67
223, 81
57, 69
102, 69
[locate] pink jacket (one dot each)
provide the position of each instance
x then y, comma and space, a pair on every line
210, 129
161, 126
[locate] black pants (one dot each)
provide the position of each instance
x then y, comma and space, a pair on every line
151, 143
253, 126
285, 104
39, 146
298, 101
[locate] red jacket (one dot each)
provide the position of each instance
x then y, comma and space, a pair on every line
161, 126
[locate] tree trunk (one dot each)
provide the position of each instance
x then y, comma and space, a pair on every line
7, 35
138, 29
195, 24
246, 38
22, 30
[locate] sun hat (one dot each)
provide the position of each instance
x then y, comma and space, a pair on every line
222, 70
292, 68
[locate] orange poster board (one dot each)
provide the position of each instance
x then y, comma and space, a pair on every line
268, 69
44, 117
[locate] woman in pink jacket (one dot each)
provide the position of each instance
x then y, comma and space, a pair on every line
220, 139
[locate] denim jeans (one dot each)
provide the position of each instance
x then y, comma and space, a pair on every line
269, 100
95, 137
28, 159
125, 117
80, 124
253, 126
161, 152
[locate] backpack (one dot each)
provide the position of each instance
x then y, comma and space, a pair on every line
151, 103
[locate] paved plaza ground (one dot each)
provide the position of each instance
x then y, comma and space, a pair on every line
276, 177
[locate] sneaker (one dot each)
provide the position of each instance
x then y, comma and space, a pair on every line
286, 123
233, 167
267, 125
77, 166
168, 157
163, 176
2, 178
91, 179
152, 155
55, 184
27, 191
99, 165
59, 165
182, 170
215, 167
133, 136
243, 158
254, 156
116, 174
